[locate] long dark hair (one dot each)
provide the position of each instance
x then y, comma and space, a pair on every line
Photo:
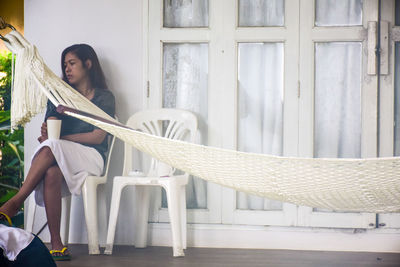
85, 52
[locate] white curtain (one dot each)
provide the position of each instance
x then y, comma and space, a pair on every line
185, 13
337, 123
259, 13
185, 79
338, 12
260, 122
337, 100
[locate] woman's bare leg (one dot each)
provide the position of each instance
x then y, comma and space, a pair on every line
43, 160
52, 201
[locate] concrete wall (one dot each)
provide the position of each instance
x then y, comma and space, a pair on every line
114, 29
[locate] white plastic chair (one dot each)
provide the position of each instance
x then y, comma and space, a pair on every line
170, 123
89, 195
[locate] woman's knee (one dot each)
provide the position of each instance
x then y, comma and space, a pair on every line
46, 152
53, 176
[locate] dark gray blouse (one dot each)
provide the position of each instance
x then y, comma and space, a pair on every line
104, 99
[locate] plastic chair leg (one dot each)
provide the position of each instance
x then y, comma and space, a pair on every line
173, 191
89, 194
183, 216
30, 216
142, 215
114, 207
102, 214
65, 213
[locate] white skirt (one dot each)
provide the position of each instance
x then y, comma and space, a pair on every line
75, 161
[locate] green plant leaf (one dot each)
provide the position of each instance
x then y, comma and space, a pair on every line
4, 115
10, 193
14, 148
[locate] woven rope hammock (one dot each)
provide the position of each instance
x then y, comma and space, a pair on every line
361, 185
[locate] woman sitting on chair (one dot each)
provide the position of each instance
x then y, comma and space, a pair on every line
60, 167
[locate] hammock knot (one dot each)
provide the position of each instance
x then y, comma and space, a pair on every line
3, 24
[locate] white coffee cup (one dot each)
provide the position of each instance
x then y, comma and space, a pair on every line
164, 169
53, 129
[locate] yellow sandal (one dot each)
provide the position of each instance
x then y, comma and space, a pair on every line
7, 218
62, 255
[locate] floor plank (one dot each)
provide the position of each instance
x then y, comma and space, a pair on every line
211, 257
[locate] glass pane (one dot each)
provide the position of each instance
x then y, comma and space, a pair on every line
185, 13
260, 103
397, 12
185, 85
338, 12
259, 13
337, 127
397, 100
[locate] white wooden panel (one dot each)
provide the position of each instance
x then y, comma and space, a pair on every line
384, 38
372, 42
338, 34
308, 36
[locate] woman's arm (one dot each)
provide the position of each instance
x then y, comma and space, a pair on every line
91, 138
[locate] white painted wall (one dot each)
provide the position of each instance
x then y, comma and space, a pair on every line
114, 29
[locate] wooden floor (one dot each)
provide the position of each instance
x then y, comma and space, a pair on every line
210, 257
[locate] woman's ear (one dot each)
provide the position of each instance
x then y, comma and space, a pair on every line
88, 64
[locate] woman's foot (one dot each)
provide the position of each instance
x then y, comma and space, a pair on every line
60, 254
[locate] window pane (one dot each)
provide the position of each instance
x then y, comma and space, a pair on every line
337, 127
397, 100
338, 12
185, 13
397, 12
185, 85
259, 13
260, 103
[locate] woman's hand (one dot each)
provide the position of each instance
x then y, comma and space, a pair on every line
43, 132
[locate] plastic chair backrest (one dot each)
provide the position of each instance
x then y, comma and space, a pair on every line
175, 124
111, 141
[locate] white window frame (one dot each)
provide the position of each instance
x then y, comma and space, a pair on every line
288, 35
387, 95
157, 35
299, 36
309, 35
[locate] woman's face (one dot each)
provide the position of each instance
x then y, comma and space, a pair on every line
75, 71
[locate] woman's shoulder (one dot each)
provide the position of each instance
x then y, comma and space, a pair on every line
105, 100
104, 93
